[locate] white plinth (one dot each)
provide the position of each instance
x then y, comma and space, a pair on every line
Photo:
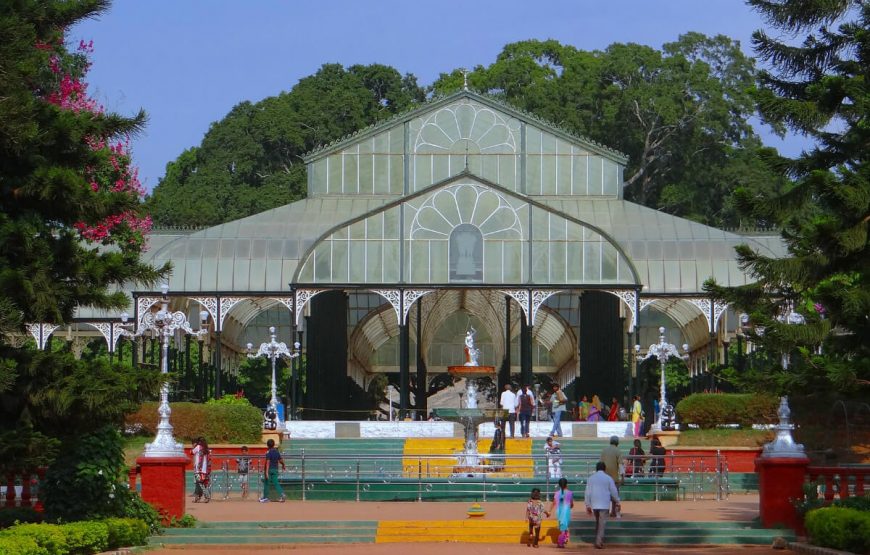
321, 429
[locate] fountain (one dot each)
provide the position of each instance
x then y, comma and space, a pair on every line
470, 464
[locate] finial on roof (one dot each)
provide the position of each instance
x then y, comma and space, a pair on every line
464, 79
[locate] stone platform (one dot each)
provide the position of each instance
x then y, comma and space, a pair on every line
324, 429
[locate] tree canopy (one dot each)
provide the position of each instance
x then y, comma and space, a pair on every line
680, 113
251, 160
817, 87
71, 230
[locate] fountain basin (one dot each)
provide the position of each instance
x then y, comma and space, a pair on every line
474, 371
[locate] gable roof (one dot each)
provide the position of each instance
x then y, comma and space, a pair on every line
485, 99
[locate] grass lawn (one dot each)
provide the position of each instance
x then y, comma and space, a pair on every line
724, 438
133, 447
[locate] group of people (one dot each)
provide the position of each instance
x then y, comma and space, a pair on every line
202, 471
521, 404
601, 499
602, 487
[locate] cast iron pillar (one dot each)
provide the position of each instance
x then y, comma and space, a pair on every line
404, 371
421, 402
526, 372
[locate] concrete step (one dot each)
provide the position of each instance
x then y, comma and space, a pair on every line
466, 531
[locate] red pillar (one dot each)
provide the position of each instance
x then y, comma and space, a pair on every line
780, 484
163, 484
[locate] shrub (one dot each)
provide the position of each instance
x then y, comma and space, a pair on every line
186, 521
840, 528
20, 545
84, 481
137, 509
85, 537
13, 515
50, 539
235, 421
125, 532
709, 410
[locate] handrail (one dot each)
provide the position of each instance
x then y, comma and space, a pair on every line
840, 481
694, 476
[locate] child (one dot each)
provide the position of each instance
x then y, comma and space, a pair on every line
201, 470
554, 458
273, 459
634, 467
535, 514
563, 502
243, 466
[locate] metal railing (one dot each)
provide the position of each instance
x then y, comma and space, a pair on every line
494, 476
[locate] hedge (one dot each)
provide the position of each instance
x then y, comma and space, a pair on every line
709, 410
218, 423
839, 528
75, 538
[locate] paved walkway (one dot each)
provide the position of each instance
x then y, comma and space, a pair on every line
463, 549
736, 508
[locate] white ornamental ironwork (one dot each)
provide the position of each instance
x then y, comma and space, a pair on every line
539, 297
218, 308
629, 297
164, 324
272, 350
302, 298
41, 333
409, 297
712, 310
110, 332
394, 297
522, 297
662, 351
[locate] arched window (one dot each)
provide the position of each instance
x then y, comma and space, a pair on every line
466, 254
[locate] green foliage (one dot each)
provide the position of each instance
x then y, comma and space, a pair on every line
186, 521
85, 480
839, 528
220, 422
816, 87
137, 510
75, 538
250, 161
50, 538
229, 400
20, 545
48, 185
25, 449
709, 410
86, 537
65, 397
123, 532
681, 114
12, 515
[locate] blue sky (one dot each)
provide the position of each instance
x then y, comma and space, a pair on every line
188, 62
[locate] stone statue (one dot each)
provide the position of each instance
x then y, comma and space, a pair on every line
472, 353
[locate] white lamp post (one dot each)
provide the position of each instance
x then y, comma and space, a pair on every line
164, 324
662, 351
272, 350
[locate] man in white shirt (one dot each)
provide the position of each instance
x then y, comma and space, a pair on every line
600, 492
508, 402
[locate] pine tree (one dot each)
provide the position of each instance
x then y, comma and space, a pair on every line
71, 226
71, 231
818, 87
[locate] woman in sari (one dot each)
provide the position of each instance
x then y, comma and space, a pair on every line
594, 410
583, 409
563, 502
613, 415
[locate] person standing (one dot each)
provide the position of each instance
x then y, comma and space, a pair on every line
657, 457
594, 409
535, 514
201, 468
601, 495
563, 502
613, 414
273, 459
525, 407
508, 402
559, 403
636, 458
636, 415
554, 458
243, 467
611, 456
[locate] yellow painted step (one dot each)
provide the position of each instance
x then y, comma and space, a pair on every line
443, 468
467, 531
